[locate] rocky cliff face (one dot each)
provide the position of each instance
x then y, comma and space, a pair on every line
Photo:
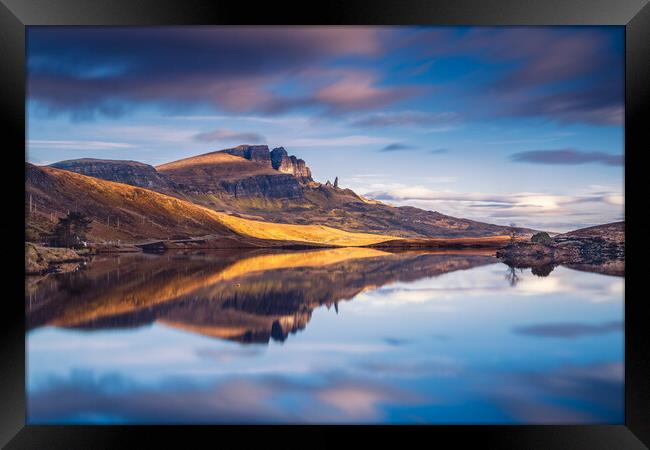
277, 159
127, 172
284, 163
269, 186
242, 172
258, 153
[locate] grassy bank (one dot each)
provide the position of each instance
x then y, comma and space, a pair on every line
40, 260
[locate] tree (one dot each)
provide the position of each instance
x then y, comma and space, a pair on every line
541, 238
71, 230
513, 232
336, 182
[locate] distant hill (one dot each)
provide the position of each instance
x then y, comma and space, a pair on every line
269, 185
129, 172
132, 214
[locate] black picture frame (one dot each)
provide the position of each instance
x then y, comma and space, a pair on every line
15, 15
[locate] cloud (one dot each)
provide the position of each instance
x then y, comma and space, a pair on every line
89, 399
334, 141
554, 212
222, 134
408, 119
566, 75
358, 90
90, 71
592, 393
569, 330
395, 147
77, 144
567, 156
601, 105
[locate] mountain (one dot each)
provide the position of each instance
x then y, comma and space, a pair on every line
224, 175
254, 182
132, 214
277, 159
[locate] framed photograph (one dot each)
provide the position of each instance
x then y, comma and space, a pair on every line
401, 217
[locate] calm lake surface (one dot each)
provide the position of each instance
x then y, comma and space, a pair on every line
330, 336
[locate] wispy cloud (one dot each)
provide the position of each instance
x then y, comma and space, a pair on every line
569, 329
396, 147
408, 119
223, 134
335, 141
236, 69
567, 156
533, 209
538, 64
78, 145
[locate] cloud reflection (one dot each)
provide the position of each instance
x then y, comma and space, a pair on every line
569, 329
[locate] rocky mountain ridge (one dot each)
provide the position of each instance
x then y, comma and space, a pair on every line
128, 172
277, 159
270, 185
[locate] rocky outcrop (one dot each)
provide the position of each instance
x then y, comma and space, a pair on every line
264, 186
590, 248
258, 153
284, 163
127, 172
277, 159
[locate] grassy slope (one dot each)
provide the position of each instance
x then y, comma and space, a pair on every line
150, 214
213, 165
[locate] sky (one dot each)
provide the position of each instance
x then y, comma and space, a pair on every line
508, 125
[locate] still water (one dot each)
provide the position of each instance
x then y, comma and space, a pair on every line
329, 336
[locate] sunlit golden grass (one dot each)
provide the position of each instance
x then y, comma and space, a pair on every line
216, 163
469, 242
176, 214
315, 234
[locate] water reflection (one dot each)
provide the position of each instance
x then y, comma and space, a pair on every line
384, 338
251, 299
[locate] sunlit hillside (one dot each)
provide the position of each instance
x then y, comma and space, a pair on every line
135, 214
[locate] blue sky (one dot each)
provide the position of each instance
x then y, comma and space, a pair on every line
501, 124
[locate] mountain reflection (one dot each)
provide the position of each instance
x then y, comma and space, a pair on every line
249, 297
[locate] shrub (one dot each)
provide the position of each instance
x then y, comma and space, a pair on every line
541, 238
71, 231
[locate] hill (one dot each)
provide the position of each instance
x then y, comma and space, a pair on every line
133, 214
271, 186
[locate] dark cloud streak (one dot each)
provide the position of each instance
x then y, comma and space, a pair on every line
396, 147
567, 156
569, 330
